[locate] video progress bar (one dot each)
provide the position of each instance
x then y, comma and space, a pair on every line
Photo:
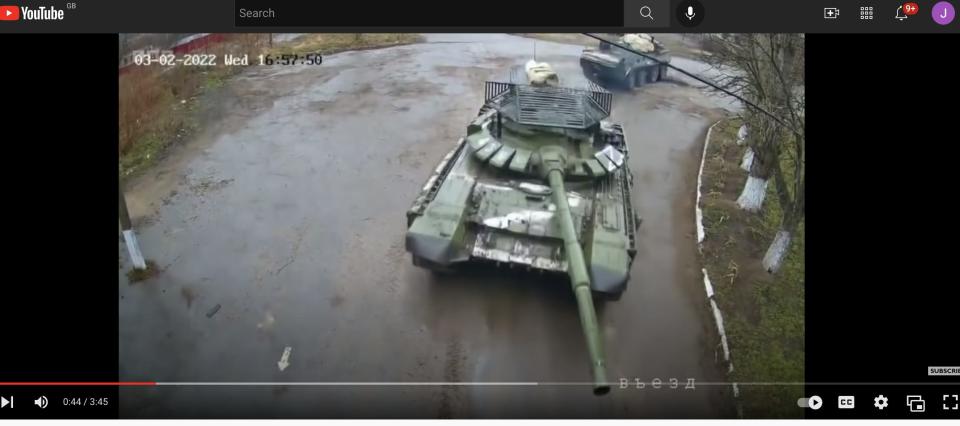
630, 383
78, 383
611, 384
274, 383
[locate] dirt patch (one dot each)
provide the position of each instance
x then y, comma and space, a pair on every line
411, 90
188, 295
411, 158
763, 313
452, 373
208, 185
137, 275
337, 300
320, 106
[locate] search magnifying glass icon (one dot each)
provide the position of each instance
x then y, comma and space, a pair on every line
645, 12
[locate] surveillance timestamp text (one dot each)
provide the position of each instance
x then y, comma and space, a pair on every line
212, 60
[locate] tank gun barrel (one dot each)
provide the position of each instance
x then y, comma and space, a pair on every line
580, 281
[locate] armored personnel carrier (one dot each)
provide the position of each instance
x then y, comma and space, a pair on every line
541, 181
611, 64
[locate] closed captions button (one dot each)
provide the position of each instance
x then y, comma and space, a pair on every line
846, 402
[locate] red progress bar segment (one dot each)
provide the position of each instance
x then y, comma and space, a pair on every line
78, 383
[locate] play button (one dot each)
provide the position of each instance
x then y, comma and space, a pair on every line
815, 402
4, 402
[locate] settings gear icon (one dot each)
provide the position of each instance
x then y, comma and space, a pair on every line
880, 402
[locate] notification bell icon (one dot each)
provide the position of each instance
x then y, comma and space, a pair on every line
900, 16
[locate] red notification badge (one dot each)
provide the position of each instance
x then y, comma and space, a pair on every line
910, 8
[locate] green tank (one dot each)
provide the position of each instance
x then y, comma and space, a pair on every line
540, 181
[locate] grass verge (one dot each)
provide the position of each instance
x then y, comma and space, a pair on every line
158, 104
332, 43
763, 313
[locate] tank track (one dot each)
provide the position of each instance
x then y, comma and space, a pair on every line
432, 185
625, 182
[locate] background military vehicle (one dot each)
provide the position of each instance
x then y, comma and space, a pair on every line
611, 64
540, 181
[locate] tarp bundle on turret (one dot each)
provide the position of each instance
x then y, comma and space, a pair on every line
642, 43
541, 74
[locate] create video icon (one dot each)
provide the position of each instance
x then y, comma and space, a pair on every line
9, 13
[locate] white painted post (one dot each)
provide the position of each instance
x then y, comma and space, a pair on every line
129, 237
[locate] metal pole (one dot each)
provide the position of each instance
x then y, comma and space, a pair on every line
128, 235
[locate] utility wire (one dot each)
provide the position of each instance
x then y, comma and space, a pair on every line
698, 78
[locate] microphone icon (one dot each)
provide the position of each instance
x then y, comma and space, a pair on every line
689, 13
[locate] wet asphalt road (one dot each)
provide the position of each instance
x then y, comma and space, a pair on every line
287, 210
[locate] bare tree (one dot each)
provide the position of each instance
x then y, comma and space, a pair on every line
768, 70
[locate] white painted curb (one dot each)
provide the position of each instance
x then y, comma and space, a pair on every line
708, 287
703, 159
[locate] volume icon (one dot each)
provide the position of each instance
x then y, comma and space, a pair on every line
40, 402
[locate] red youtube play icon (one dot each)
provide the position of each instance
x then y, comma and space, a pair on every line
9, 13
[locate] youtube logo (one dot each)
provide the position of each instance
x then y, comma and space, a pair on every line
9, 13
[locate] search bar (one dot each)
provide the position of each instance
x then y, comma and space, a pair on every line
646, 13
397, 15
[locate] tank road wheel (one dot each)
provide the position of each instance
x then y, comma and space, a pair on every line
628, 80
654, 74
639, 78
589, 73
